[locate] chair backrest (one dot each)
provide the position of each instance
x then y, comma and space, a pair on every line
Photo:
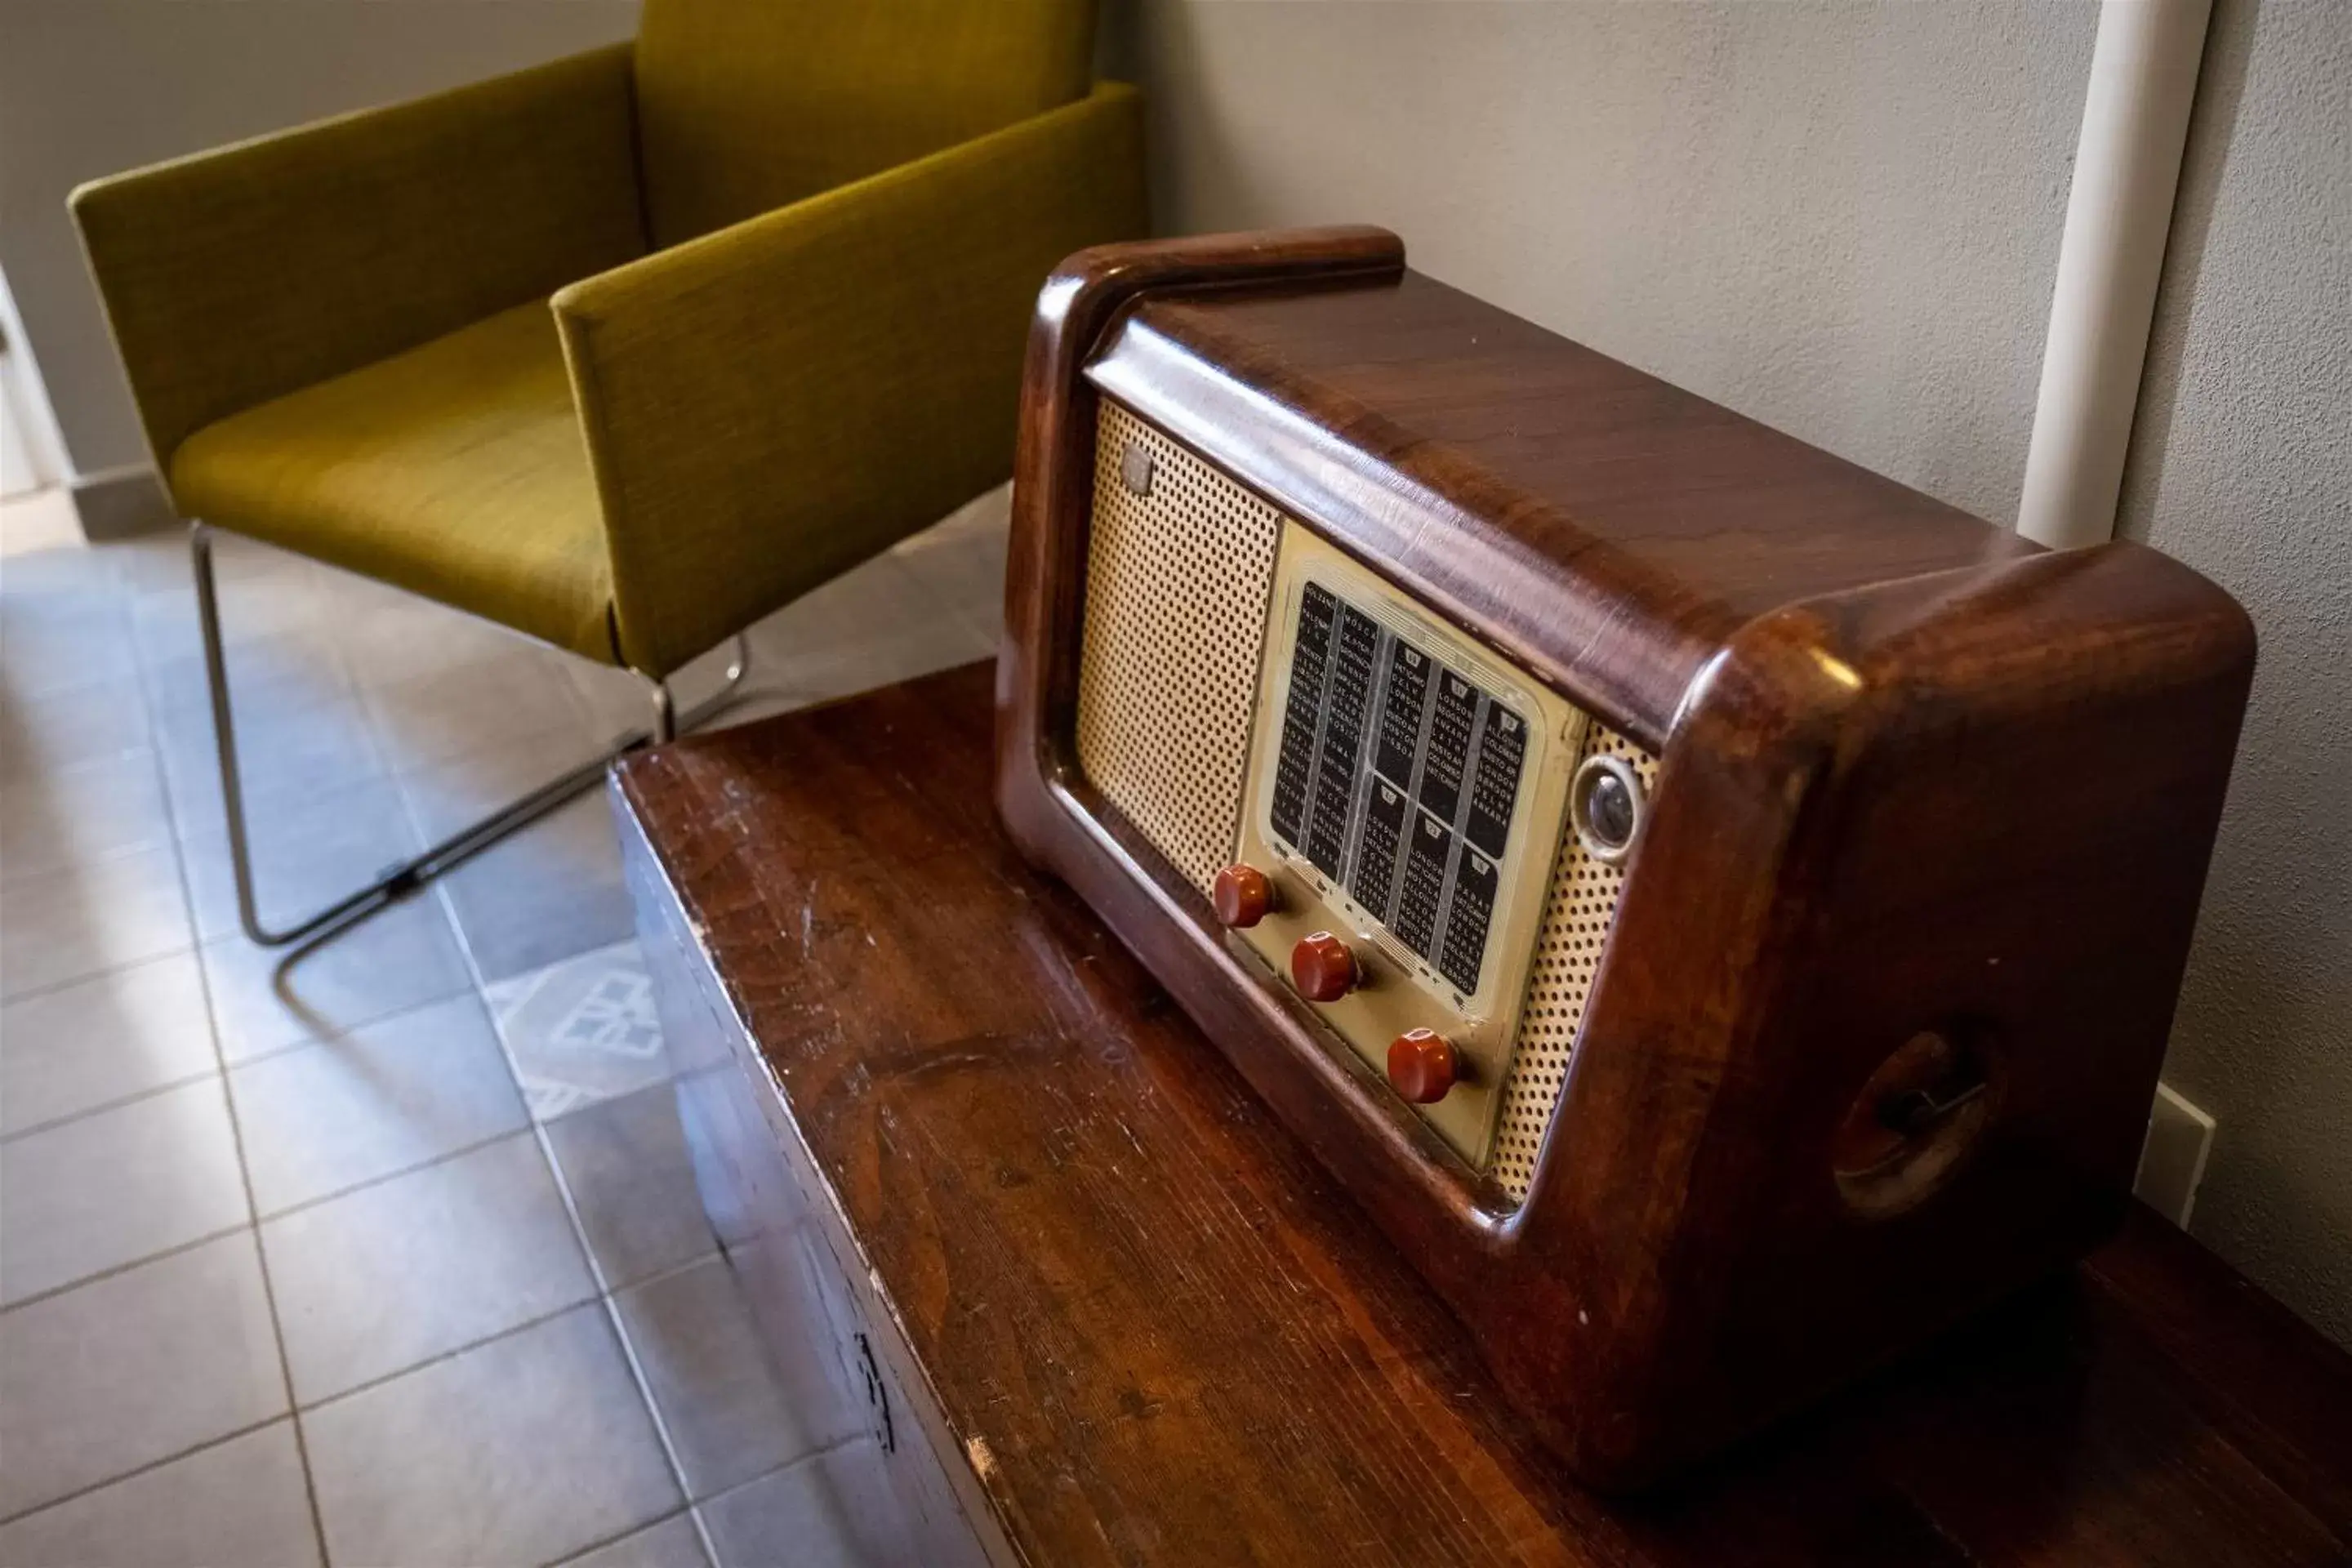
744, 105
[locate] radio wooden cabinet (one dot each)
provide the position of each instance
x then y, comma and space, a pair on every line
1717, 910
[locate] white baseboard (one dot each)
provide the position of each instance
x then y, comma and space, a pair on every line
116, 503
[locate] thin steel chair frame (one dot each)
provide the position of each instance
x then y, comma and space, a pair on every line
411, 876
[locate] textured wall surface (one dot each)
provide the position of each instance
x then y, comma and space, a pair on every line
2242, 468
91, 87
1841, 219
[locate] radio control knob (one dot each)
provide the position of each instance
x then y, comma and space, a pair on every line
1242, 894
1422, 1066
1323, 967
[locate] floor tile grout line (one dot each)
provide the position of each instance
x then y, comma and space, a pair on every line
50, 987
411, 805
17, 776
770, 1473
120, 1103
638, 1377
602, 1542
228, 1077
345, 1032
794, 1463
186, 841
662, 1436
448, 1157
668, 1271
257, 1219
629, 1356
522, 1326
150, 1465
243, 1169
115, 1271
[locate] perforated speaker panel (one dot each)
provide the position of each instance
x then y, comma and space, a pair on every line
1177, 580
1177, 583
1577, 912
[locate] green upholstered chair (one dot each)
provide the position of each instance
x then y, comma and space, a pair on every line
623, 352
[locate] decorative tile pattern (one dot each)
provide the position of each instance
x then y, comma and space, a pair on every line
465, 1397
582, 1031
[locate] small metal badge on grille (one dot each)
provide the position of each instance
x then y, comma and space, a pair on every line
1135, 469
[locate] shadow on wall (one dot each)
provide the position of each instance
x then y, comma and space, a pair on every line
2241, 465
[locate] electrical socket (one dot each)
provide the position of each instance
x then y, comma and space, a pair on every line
2172, 1161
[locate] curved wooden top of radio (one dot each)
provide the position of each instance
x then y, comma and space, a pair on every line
1916, 775
1609, 531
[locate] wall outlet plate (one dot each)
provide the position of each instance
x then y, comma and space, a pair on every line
2172, 1161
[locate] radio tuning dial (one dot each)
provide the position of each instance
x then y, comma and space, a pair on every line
1242, 895
1323, 967
1422, 1066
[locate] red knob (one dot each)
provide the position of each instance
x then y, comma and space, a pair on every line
1322, 967
1241, 896
1422, 1066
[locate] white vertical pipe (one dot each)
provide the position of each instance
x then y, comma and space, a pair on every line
2135, 123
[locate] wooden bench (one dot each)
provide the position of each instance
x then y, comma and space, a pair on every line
999, 1204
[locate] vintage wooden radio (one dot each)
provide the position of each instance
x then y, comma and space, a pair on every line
1718, 910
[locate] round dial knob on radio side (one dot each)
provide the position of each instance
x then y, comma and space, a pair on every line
1606, 806
1323, 967
1422, 1066
1242, 895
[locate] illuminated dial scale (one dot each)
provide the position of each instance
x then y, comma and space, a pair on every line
1405, 794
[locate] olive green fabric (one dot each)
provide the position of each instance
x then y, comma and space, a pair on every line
455, 470
771, 404
240, 275
339, 337
746, 105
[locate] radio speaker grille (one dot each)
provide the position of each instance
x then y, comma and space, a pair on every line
1577, 912
1177, 579
1178, 573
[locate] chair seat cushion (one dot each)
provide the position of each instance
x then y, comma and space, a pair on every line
456, 471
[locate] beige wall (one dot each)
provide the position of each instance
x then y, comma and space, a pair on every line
91, 87
1844, 219
2242, 465
1841, 219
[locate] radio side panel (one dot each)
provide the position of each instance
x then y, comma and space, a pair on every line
1977, 812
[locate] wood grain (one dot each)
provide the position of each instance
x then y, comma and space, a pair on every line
1917, 775
1134, 1320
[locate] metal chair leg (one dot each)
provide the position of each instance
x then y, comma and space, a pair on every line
452, 851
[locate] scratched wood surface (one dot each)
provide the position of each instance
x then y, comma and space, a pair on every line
1148, 1327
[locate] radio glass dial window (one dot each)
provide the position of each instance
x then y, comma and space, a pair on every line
1398, 778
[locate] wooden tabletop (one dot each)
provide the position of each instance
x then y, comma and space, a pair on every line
1159, 1333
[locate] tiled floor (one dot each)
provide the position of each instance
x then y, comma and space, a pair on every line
389, 1253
